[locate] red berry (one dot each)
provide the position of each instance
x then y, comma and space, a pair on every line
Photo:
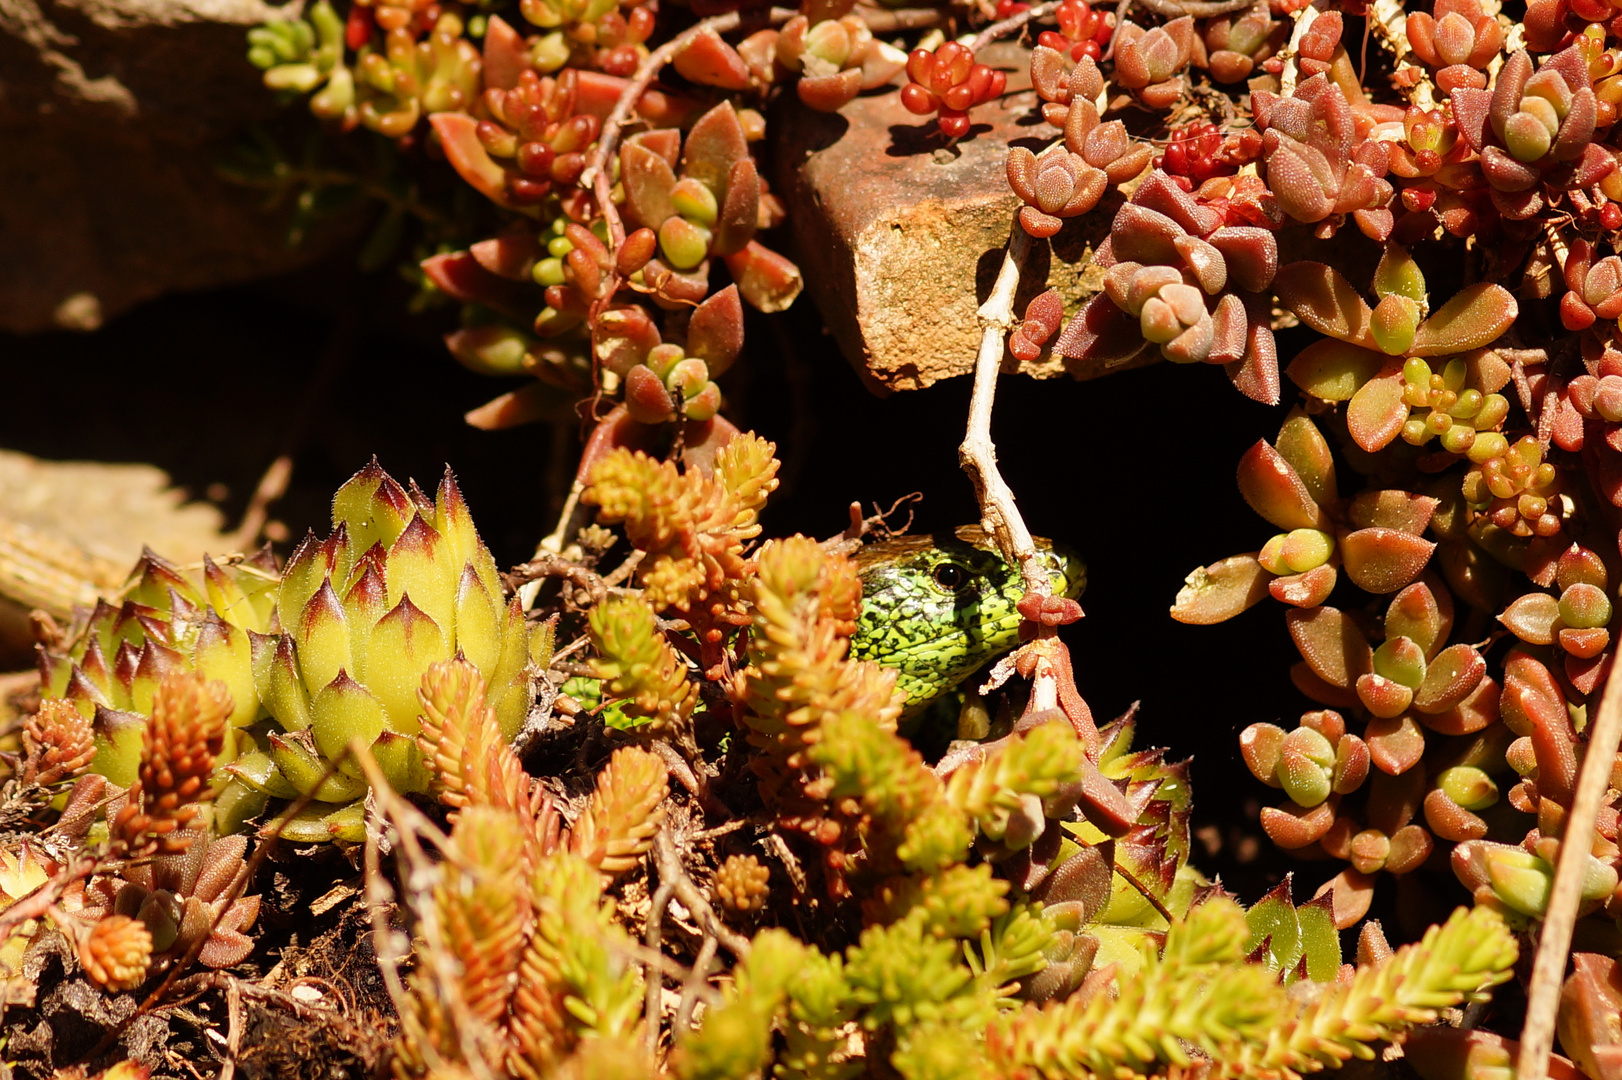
918, 101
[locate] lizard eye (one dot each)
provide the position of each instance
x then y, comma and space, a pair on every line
950, 576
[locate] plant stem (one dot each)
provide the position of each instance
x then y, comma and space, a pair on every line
1009, 25
596, 174
978, 454
1554, 941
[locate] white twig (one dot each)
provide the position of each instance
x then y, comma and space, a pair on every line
1554, 941
978, 454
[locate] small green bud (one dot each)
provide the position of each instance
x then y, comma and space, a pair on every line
1527, 137
549, 52
1520, 879
1400, 660
1585, 606
549, 271
1396, 320
1272, 555
663, 360
1488, 445
1458, 439
1306, 549
1468, 786
685, 244
694, 201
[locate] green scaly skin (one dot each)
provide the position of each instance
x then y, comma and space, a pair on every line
935, 608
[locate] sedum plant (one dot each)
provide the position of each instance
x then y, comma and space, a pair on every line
746, 850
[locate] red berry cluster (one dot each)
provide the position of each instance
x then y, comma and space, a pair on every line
1198, 152
1007, 9
949, 82
1082, 31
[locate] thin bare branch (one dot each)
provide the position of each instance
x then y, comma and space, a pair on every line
1554, 941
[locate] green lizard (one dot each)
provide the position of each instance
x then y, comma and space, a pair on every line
935, 608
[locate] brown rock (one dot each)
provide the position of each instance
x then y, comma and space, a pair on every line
71, 530
114, 115
900, 238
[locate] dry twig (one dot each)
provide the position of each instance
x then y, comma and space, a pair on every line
1560, 920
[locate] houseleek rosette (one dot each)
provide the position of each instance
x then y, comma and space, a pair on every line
402, 582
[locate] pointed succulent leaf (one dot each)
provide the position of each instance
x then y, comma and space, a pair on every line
401, 647
401, 761
1394, 323
344, 710
227, 598
740, 212
715, 143
767, 280
1420, 615
307, 772
322, 637
1331, 644
1303, 446
509, 692
495, 349
480, 620
1532, 617
118, 737
1291, 826
223, 652
648, 179
1262, 745
1384, 560
1307, 589
305, 572
1392, 509
459, 136
1334, 370
419, 563
371, 513
1450, 678
1273, 927
1220, 591
1276, 492
715, 332
710, 61
258, 771
1399, 274
321, 823
1473, 317
1377, 411
1324, 300
286, 697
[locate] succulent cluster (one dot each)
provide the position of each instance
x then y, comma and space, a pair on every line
762, 873
326, 651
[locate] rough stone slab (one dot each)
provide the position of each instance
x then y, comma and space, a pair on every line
113, 117
71, 530
900, 239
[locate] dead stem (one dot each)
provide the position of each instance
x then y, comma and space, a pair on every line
1554, 941
693, 987
1011, 24
978, 454
670, 870
653, 938
596, 174
887, 21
